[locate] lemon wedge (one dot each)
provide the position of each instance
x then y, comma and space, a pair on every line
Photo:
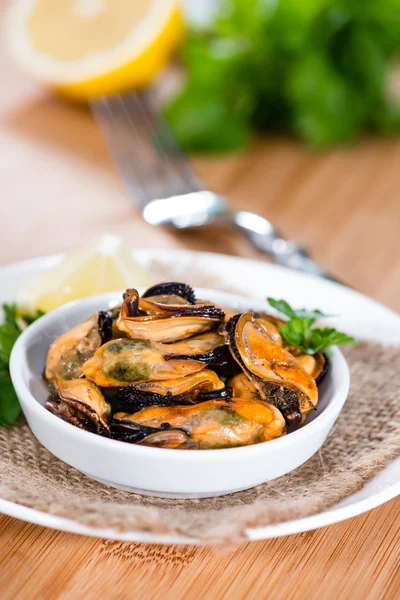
85, 48
103, 266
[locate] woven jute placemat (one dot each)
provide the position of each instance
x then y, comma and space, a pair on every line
365, 437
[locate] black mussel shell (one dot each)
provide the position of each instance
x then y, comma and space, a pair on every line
208, 311
228, 369
132, 399
218, 356
324, 371
104, 323
229, 328
131, 432
131, 300
225, 394
172, 288
285, 400
127, 431
74, 416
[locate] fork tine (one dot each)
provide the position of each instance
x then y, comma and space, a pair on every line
144, 162
108, 115
166, 143
172, 181
159, 180
143, 147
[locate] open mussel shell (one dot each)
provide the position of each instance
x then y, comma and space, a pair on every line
171, 288
192, 389
212, 424
146, 319
81, 403
275, 373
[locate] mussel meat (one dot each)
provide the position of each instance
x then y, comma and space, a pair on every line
81, 403
199, 387
125, 361
242, 387
70, 350
276, 374
315, 365
146, 319
211, 424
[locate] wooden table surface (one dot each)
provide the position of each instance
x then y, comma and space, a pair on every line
59, 188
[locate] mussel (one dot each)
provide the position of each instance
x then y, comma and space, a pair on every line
211, 424
81, 403
243, 387
199, 387
170, 438
269, 329
171, 290
275, 373
126, 430
70, 350
209, 348
147, 319
125, 361
315, 365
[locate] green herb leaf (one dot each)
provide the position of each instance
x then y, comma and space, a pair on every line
300, 332
322, 338
284, 307
9, 405
10, 329
29, 319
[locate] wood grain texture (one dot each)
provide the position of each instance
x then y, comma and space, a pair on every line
60, 188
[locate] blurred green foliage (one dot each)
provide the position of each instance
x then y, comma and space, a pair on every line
316, 68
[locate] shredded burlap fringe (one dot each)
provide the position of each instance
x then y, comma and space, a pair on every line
365, 437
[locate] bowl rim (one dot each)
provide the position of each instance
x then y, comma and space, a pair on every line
18, 361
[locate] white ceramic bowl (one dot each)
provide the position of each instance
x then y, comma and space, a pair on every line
158, 471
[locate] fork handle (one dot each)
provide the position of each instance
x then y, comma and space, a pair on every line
268, 240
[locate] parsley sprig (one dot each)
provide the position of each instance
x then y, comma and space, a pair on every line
299, 331
321, 69
11, 327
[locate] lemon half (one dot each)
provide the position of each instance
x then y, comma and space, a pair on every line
86, 48
105, 265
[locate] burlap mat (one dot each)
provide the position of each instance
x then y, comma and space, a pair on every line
365, 437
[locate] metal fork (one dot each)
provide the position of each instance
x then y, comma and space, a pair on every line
167, 189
